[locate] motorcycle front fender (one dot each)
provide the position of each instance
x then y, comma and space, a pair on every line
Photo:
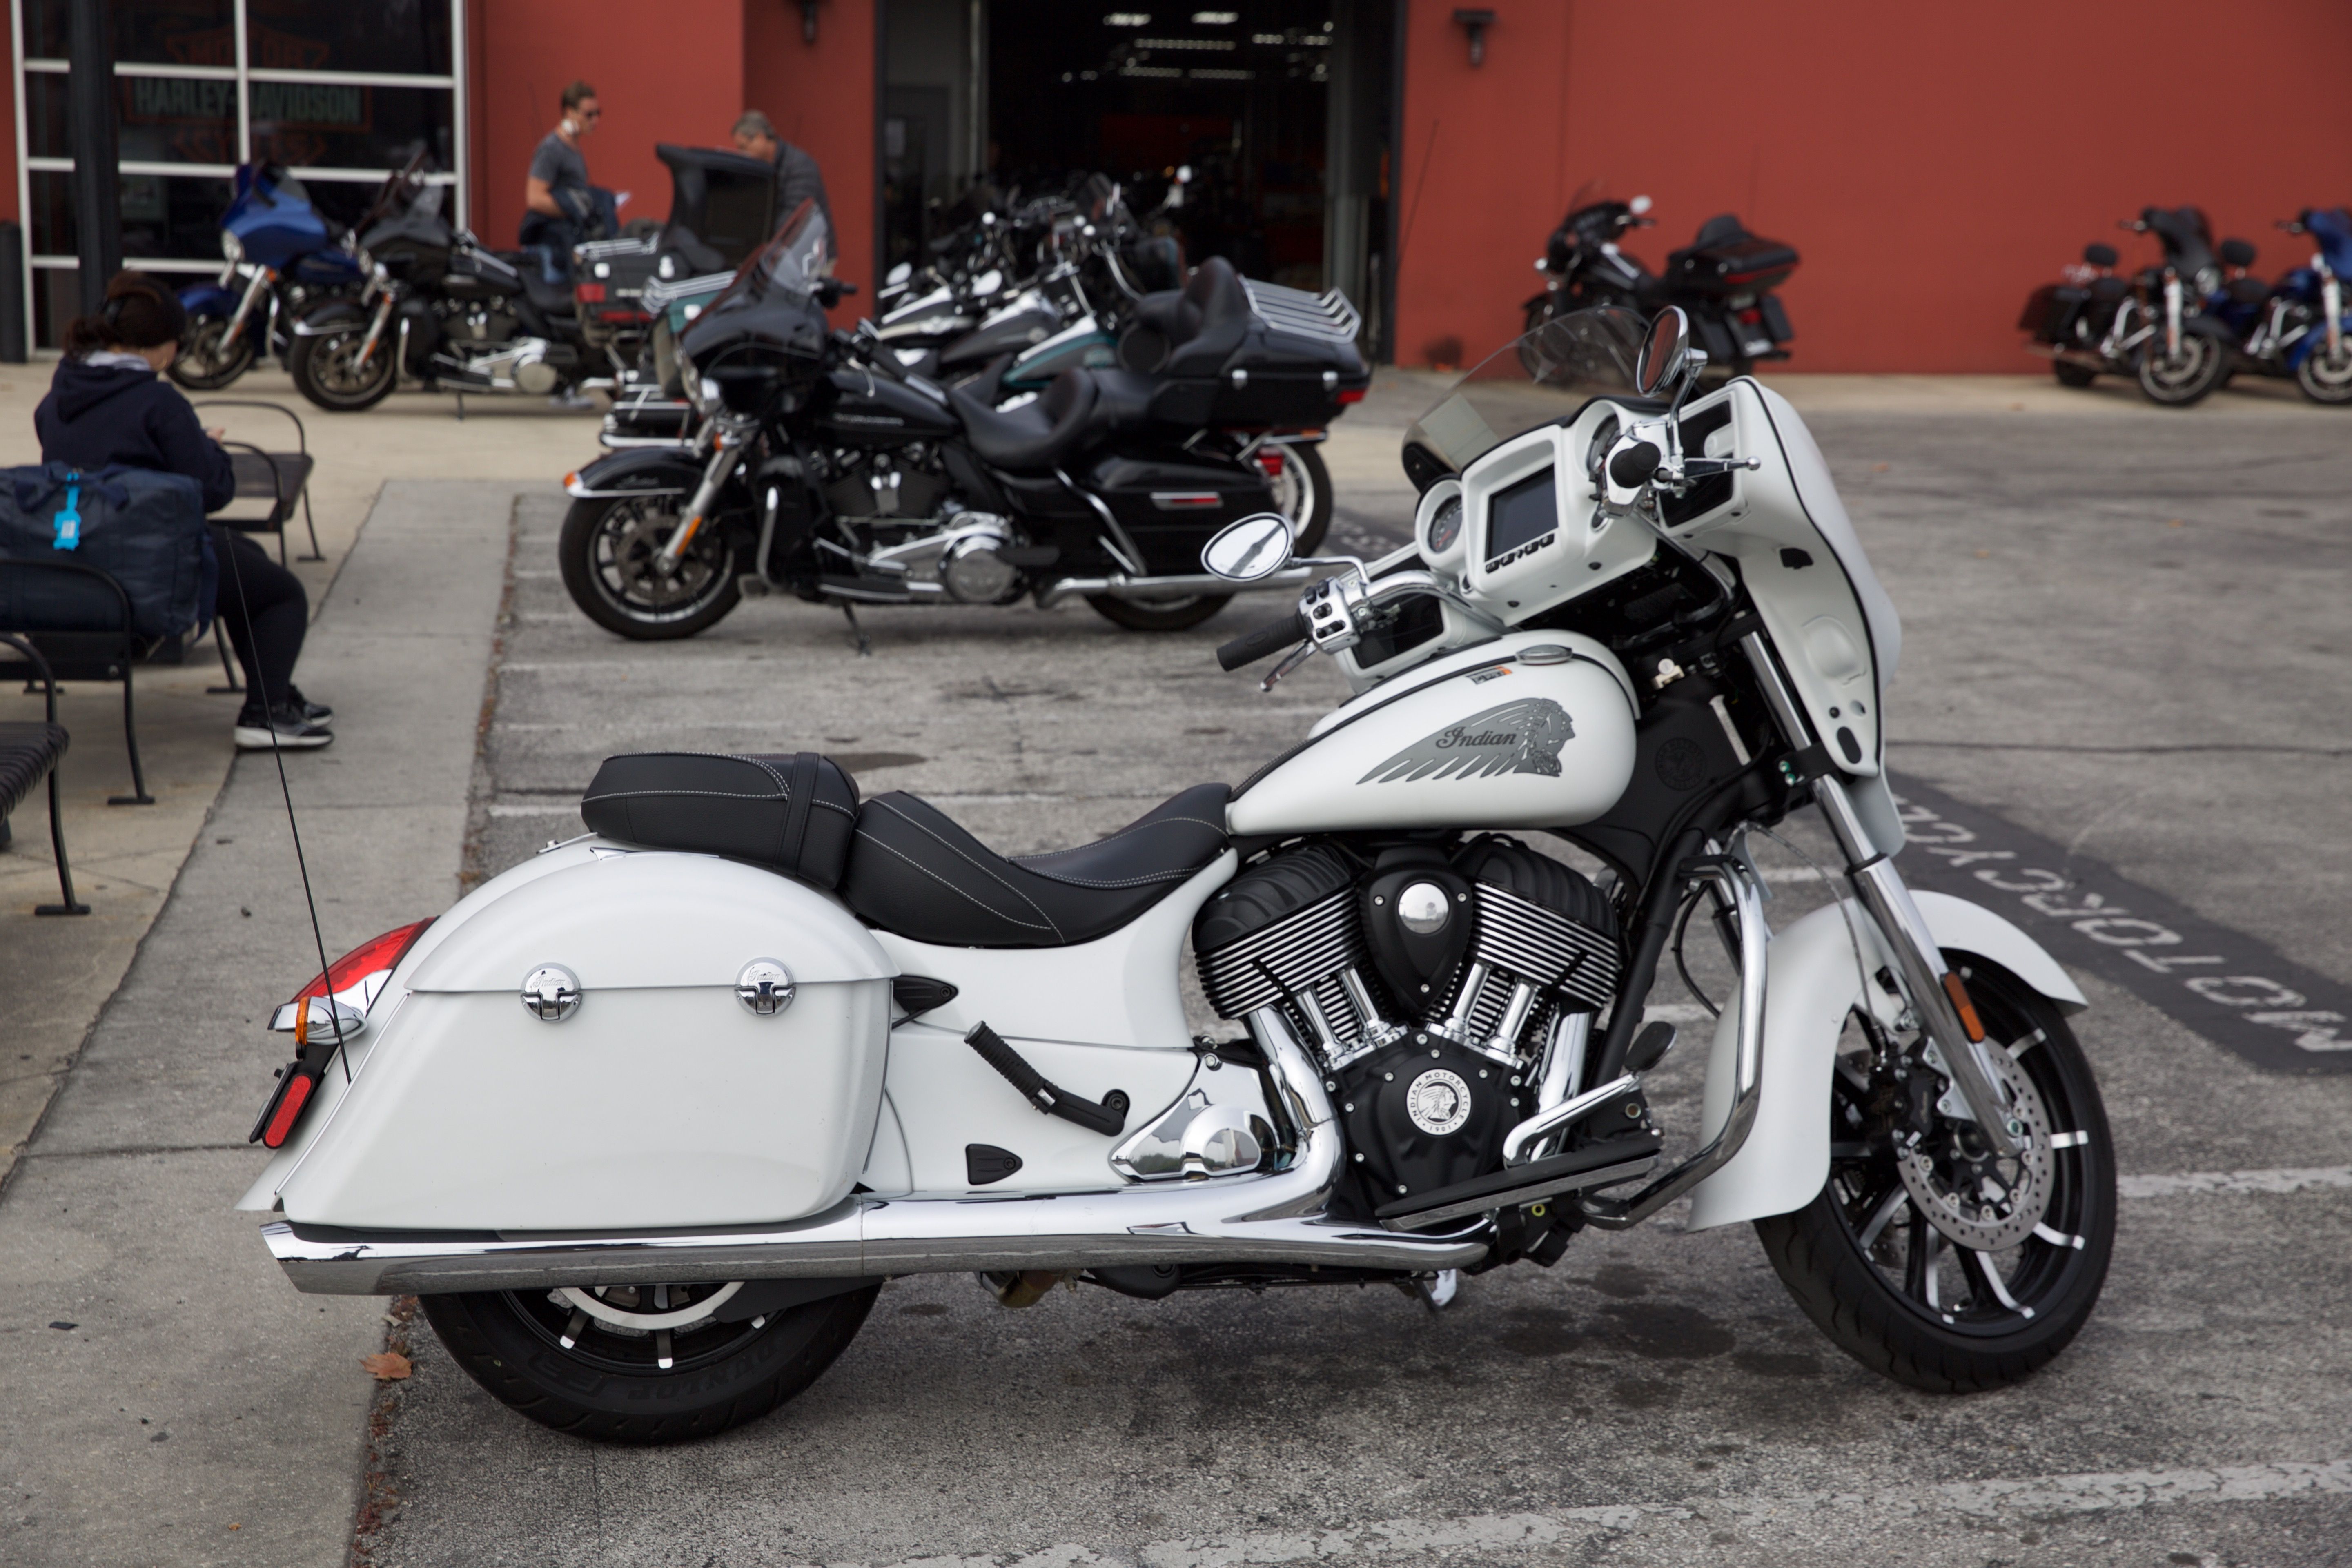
332, 317
1813, 983
636, 472
209, 300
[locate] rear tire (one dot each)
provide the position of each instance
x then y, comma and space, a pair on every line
2176, 382
206, 364
607, 1386
2323, 380
323, 370
1916, 1307
2073, 374
606, 551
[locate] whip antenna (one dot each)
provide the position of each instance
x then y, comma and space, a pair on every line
268, 718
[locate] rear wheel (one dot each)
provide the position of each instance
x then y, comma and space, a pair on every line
2325, 378
2176, 381
208, 361
327, 369
643, 1363
2073, 374
1929, 1261
611, 552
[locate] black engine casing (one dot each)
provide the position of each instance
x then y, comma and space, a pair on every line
1393, 1155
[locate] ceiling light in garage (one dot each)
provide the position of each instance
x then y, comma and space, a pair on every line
1128, 19
1215, 18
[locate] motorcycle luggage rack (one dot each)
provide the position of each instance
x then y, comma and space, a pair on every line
663, 292
1328, 315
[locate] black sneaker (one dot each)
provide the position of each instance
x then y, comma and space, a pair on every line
293, 730
316, 712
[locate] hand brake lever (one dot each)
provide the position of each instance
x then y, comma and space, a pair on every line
1291, 661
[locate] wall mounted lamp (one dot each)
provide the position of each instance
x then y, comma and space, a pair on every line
1476, 22
808, 21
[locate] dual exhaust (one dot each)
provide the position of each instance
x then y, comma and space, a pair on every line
1255, 1218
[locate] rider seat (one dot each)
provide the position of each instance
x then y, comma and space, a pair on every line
1036, 436
1191, 331
912, 870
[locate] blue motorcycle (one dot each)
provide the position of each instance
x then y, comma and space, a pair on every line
281, 256
2293, 328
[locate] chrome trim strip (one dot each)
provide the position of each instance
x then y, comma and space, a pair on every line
1290, 579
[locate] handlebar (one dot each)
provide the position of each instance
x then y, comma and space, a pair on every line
1270, 638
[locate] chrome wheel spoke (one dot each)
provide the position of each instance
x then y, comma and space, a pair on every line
1892, 1204
1984, 1279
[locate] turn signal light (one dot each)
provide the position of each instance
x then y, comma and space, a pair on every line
343, 993
1958, 993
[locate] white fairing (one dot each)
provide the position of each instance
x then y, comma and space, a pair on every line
1815, 981
1092, 1017
662, 1101
1531, 730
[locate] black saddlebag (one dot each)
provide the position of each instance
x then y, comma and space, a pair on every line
1170, 504
1739, 263
793, 813
2049, 313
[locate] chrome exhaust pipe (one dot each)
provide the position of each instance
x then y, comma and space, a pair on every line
1119, 585
1256, 1219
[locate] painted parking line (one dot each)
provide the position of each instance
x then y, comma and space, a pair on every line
1696, 1521
2235, 990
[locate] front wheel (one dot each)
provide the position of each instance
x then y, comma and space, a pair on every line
327, 369
643, 1363
1925, 1257
611, 553
2325, 378
2176, 381
207, 360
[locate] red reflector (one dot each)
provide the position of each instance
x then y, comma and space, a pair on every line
1957, 989
1270, 460
290, 1110
590, 293
1354, 394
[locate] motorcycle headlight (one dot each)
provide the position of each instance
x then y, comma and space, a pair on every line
231, 247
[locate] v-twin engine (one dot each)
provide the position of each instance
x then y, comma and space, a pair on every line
1431, 990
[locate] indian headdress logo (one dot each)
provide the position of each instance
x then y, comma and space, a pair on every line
1522, 737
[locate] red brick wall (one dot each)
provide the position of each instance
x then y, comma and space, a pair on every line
821, 97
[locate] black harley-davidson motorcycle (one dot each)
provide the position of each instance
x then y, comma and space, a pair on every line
1723, 279
824, 468
2155, 326
440, 308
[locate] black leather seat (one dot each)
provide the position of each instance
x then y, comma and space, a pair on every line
914, 871
1037, 435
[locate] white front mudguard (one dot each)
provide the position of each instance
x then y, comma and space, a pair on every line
1812, 983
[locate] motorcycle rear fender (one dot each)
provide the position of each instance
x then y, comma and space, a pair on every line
637, 471
1813, 983
661, 1100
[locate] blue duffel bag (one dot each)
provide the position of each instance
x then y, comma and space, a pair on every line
143, 528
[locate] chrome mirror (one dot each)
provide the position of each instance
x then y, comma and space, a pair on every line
988, 282
1256, 546
1665, 353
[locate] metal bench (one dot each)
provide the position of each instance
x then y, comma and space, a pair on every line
80, 619
281, 479
26, 753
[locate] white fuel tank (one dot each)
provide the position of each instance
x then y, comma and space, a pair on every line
660, 1099
1531, 730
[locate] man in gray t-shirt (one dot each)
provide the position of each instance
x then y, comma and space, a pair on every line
562, 207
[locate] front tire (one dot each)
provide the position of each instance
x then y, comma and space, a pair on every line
206, 360
1883, 1279
2176, 382
2326, 380
325, 368
609, 551
596, 1377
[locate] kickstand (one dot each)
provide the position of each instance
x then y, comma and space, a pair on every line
1436, 1291
864, 644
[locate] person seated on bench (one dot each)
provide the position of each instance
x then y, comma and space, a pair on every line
108, 404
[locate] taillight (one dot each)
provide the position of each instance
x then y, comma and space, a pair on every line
1354, 394
590, 293
324, 1015
1270, 460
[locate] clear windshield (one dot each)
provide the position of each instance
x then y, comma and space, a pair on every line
1542, 377
792, 261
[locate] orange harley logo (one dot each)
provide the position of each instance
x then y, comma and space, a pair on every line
1522, 737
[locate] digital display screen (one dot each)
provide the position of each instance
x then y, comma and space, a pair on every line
1522, 511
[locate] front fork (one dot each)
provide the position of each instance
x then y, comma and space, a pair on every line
2171, 315
1936, 993
375, 328
2331, 299
262, 277
725, 456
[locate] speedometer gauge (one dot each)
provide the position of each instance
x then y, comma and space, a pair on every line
1445, 527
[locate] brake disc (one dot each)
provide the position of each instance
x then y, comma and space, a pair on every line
1982, 1201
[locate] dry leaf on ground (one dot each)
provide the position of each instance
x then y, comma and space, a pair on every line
389, 1366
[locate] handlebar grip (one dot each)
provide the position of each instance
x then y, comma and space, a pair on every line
1270, 638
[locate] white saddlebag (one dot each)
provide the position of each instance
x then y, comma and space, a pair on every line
661, 1100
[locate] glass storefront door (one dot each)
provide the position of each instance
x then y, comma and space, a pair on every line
340, 93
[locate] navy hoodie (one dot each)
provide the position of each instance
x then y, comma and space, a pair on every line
95, 416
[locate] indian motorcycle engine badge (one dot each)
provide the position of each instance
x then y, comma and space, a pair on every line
1438, 1102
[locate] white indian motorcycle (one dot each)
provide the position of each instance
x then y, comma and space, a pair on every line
647, 1121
